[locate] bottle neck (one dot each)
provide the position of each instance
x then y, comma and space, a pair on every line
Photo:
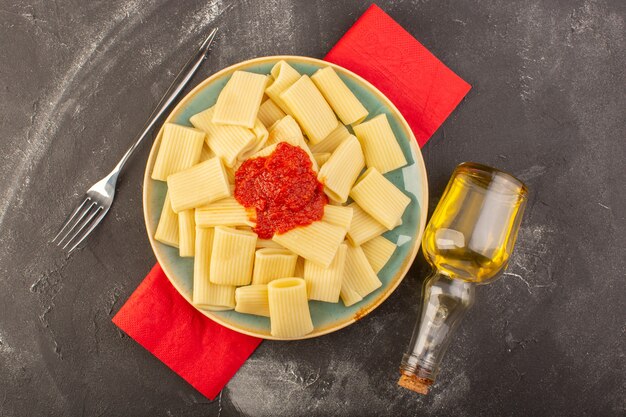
444, 304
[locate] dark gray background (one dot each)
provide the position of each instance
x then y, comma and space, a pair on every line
78, 79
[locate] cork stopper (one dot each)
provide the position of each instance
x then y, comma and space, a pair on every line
415, 383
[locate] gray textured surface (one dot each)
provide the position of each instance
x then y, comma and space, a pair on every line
77, 80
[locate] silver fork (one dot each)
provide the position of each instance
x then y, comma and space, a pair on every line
99, 197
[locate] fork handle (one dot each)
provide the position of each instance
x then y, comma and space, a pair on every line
179, 83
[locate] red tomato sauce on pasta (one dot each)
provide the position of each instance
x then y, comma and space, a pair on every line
282, 188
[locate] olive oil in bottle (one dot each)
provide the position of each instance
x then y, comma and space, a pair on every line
468, 241
472, 232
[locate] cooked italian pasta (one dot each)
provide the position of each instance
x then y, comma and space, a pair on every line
338, 215
380, 147
206, 295
215, 297
289, 308
186, 233
224, 212
267, 151
342, 169
299, 271
206, 153
226, 141
378, 251
349, 296
363, 227
380, 198
332, 141
232, 256
307, 105
270, 264
317, 242
343, 101
267, 243
287, 130
276, 278
321, 158
324, 284
239, 101
167, 229
252, 299
230, 177
198, 186
283, 76
180, 148
202, 258
358, 273
269, 113
261, 134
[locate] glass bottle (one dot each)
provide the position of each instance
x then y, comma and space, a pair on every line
468, 241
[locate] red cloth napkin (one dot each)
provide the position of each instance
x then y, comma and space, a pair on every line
378, 49
203, 352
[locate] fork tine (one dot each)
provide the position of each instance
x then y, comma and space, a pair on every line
80, 220
93, 225
84, 223
69, 220
75, 224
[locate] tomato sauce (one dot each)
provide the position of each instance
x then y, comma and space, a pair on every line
282, 188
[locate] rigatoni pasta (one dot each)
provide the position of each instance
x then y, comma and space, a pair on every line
380, 198
207, 295
270, 264
186, 233
230, 177
317, 242
324, 284
224, 212
283, 76
261, 135
358, 273
198, 186
342, 169
269, 113
215, 297
239, 100
338, 215
307, 105
378, 251
299, 271
321, 158
287, 130
380, 147
363, 227
206, 153
267, 151
252, 299
267, 243
332, 141
289, 308
226, 141
202, 259
180, 148
167, 229
232, 256
343, 101
349, 296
